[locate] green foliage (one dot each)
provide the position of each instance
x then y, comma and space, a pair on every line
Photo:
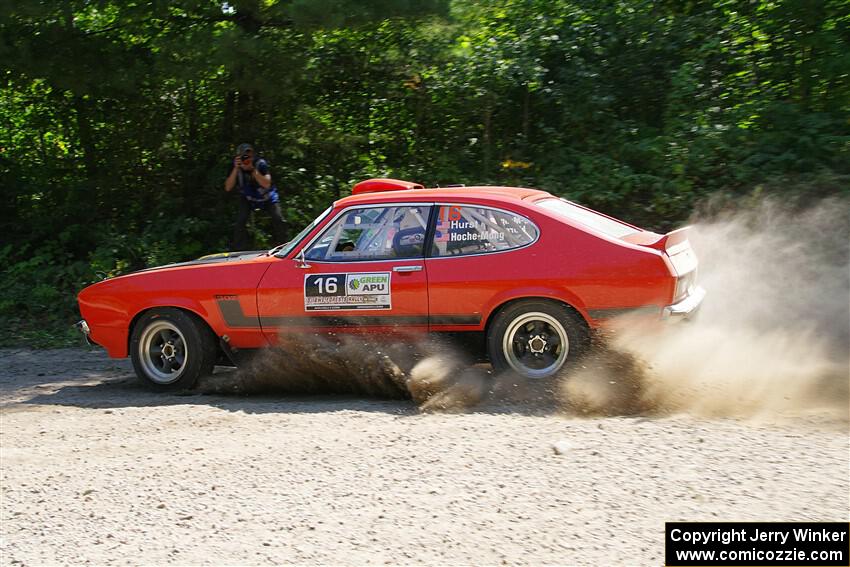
118, 120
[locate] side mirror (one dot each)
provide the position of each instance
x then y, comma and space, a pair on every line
301, 260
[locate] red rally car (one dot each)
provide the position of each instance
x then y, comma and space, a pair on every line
532, 274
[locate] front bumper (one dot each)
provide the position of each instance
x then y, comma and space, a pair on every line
685, 308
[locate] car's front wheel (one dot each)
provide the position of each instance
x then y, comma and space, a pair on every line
171, 350
535, 338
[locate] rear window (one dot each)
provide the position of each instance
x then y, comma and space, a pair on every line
467, 229
587, 217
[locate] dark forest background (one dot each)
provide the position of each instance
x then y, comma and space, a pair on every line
119, 119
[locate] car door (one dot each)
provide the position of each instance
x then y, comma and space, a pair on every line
364, 273
475, 256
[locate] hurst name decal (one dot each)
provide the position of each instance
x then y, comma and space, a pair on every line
328, 292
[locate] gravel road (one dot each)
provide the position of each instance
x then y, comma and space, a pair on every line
95, 470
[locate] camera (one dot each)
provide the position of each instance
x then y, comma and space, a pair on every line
246, 157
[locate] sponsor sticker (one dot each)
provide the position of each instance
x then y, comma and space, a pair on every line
329, 292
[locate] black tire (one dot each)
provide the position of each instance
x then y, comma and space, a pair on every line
536, 338
171, 349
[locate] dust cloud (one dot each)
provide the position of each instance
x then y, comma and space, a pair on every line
434, 374
314, 364
770, 340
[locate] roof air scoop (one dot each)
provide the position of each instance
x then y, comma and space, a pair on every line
382, 185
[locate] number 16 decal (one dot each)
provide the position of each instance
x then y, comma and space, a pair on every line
450, 213
324, 284
367, 290
327, 285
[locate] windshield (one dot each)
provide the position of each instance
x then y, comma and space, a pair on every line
285, 249
588, 218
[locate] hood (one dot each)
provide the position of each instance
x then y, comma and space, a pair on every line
165, 277
218, 258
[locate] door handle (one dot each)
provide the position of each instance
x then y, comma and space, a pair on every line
407, 269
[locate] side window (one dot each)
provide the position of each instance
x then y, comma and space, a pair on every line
373, 233
464, 229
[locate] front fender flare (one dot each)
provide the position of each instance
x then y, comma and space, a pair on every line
190, 305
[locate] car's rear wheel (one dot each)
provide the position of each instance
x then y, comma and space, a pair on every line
535, 338
170, 349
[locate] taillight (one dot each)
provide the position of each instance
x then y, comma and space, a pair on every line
685, 284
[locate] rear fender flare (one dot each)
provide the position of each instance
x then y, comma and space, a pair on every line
536, 292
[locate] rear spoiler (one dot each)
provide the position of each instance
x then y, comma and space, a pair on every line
672, 242
381, 185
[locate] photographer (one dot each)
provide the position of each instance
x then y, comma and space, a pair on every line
256, 192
